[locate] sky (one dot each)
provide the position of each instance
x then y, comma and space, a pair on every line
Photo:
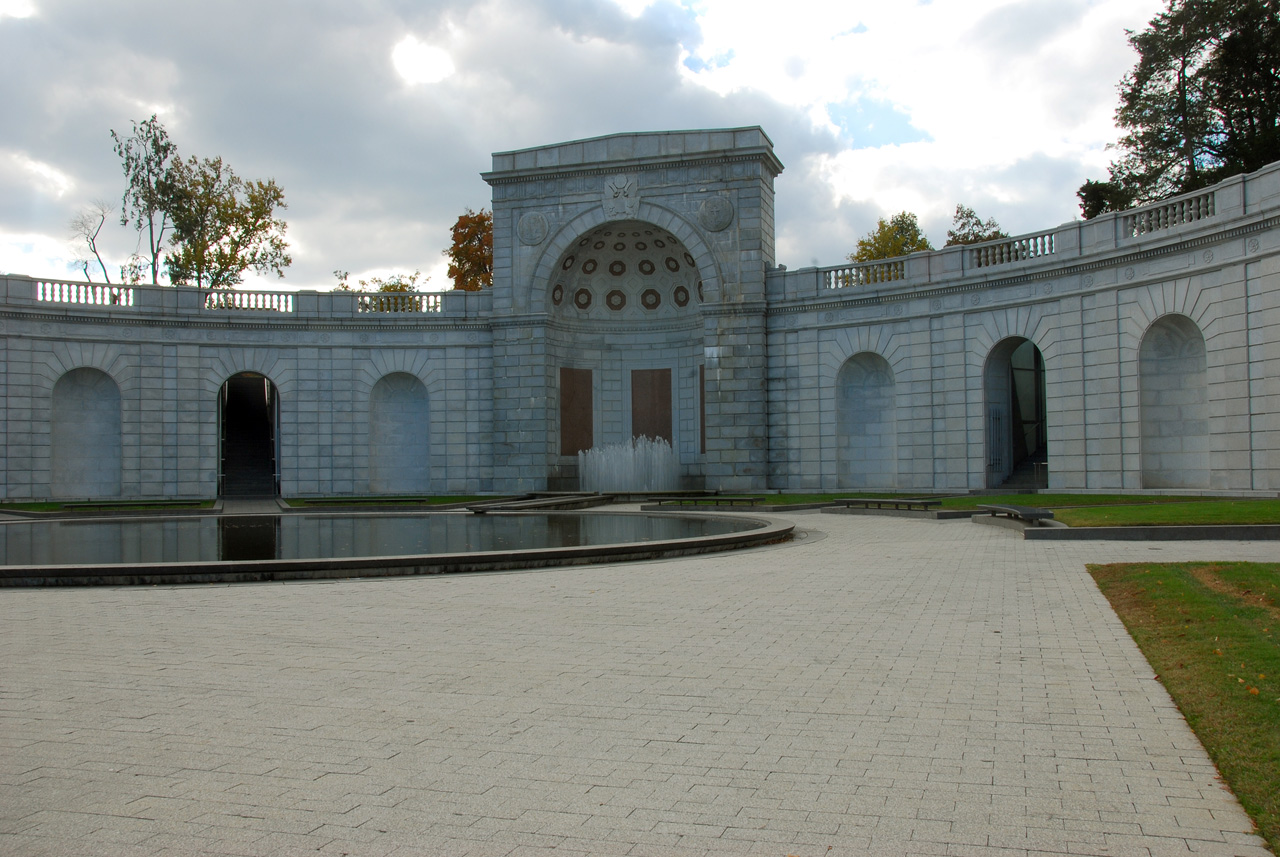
376, 117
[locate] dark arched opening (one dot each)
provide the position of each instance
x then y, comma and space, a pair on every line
1016, 424
249, 418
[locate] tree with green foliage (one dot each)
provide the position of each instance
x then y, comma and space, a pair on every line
968, 228
897, 236
148, 156
1202, 104
223, 225
396, 284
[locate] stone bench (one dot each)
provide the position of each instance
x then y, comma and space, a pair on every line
711, 501
900, 504
1029, 515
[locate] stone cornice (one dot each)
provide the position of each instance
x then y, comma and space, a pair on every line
534, 174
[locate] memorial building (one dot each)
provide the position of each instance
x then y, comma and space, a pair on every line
637, 292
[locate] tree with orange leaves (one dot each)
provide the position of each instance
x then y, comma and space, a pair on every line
471, 254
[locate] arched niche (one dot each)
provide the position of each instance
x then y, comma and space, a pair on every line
86, 440
1174, 399
1016, 418
866, 423
399, 436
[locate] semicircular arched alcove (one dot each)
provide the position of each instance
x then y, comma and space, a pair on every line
866, 423
399, 436
625, 340
85, 435
1174, 399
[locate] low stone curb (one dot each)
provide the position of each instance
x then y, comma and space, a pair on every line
1202, 532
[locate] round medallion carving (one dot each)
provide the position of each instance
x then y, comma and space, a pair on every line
715, 213
897, 309
1208, 256
976, 300
435, 337
582, 299
1088, 281
364, 337
1254, 245
1128, 273
935, 304
615, 300
532, 228
1048, 288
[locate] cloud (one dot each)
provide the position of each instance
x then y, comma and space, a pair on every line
873, 107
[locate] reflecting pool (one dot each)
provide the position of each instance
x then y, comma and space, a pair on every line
244, 537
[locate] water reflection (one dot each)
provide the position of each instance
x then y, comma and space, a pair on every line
206, 539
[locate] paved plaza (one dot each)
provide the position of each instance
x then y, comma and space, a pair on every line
879, 686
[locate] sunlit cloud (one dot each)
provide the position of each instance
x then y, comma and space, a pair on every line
45, 177
418, 62
17, 9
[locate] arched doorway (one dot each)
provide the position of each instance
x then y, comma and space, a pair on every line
1016, 424
249, 420
1174, 397
866, 424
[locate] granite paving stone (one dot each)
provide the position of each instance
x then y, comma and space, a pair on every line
877, 686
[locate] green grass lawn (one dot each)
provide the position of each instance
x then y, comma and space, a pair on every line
1211, 632
107, 506
1056, 501
439, 500
1193, 512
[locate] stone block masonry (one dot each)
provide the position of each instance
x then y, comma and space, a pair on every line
1137, 351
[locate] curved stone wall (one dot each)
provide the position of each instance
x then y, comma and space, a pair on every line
1156, 339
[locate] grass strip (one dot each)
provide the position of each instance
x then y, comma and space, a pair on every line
438, 500
1211, 631
1059, 501
1184, 513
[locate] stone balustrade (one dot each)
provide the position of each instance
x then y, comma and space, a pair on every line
1007, 250
1108, 235
161, 301
56, 291
1167, 215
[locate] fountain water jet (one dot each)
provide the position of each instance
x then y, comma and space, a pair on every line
643, 464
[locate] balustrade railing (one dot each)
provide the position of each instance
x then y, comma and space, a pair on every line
1167, 215
394, 302
865, 273
1012, 250
255, 301
83, 293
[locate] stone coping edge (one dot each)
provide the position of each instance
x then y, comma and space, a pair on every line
1200, 532
249, 571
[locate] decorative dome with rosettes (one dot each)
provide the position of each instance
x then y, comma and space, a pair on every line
625, 270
